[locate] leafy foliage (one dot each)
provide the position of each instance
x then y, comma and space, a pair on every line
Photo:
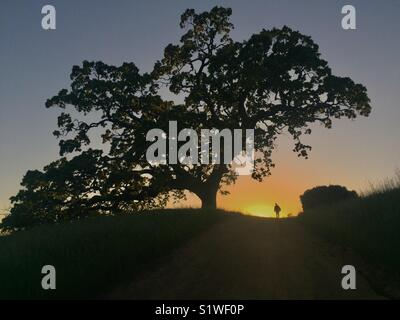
85, 185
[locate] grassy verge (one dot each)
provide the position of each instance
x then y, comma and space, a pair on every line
94, 255
370, 225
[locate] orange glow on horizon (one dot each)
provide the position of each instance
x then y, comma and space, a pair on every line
254, 198
290, 178
258, 209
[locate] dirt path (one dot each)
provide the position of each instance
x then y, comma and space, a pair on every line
250, 258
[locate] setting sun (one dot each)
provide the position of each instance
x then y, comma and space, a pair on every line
259, 209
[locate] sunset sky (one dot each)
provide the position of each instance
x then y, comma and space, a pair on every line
35, 64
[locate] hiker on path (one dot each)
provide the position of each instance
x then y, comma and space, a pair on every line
277, 210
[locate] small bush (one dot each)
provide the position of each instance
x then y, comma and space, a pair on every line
324, 196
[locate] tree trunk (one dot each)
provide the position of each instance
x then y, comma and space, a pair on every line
209, 199
208, 191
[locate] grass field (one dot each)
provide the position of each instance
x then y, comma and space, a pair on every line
370, 225
94, 255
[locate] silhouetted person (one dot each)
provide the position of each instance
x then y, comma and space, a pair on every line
277, 210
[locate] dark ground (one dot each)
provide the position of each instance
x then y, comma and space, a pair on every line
250, 258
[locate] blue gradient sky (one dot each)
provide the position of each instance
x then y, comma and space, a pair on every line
35, 64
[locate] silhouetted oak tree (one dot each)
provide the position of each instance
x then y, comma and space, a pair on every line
273, 82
